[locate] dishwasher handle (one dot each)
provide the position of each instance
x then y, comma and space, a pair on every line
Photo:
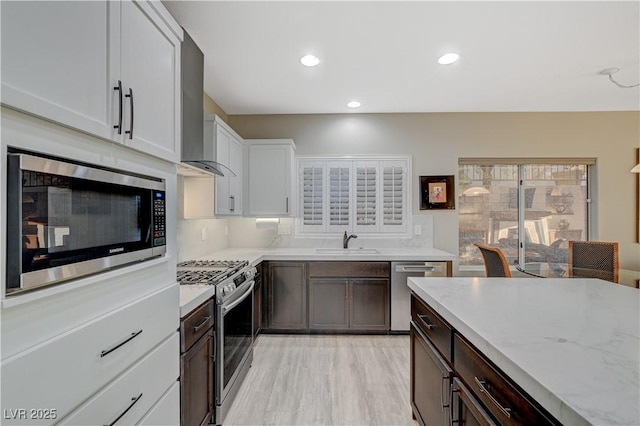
418, 268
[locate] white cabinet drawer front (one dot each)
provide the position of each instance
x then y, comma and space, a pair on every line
64, 372
166, 412
128, 398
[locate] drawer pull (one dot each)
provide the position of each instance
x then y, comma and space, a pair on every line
199, 326
505, 411
125, 341
134, 400
424, 322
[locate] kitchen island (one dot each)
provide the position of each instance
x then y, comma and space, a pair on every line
572, 345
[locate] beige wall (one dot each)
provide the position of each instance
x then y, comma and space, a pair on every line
437, 140
211, 107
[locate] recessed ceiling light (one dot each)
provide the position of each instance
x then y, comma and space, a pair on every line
309, 60
354, 104
448, 58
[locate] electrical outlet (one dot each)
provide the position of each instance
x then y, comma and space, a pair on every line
284, 229
226, 230
203, 234
417, 230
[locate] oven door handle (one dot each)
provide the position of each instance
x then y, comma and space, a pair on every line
227, 308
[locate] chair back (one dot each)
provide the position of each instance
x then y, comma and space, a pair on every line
495, 264
593, 259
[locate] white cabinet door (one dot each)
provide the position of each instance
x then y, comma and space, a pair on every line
229, 147
63, 61
55, 62
222, 146
235, 182
150, 73
269, 179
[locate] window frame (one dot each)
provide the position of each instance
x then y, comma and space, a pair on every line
520, 163
382, 230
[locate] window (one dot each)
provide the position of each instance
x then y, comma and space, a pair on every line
529, 208
365, 195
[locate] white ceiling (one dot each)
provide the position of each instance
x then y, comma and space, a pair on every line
514, 55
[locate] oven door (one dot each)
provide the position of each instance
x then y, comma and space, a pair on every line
235, 337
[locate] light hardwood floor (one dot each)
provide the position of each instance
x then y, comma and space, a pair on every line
325, 380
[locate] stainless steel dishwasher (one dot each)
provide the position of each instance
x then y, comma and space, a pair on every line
400, 292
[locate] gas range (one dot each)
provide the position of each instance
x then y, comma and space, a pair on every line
234, 283
226, 275
208, 272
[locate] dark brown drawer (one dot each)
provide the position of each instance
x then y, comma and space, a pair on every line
508, 404
433, 326
349, 269
196, 325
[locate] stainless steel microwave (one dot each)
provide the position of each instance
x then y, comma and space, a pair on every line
67, 220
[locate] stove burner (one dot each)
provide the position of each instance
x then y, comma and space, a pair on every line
212, 263
208, 272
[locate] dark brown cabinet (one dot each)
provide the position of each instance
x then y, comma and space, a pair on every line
197, 366
502, 398
350, 296
480, 393
369, 304
466, 410
329, 304
287, 295
430, 381
257, 300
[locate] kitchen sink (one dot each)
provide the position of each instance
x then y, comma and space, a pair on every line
346, 251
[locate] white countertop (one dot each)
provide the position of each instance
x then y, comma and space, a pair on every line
572, 344
191, 298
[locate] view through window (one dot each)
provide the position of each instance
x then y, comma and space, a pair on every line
529, 211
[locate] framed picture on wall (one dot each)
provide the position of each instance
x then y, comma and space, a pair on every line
437, 192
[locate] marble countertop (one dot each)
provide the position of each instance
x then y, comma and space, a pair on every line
191, 298
572, 344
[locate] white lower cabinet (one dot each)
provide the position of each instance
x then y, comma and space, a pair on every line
131, 395
60, 374
166, 412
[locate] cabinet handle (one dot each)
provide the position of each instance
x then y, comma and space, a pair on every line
130, 131
134, 399
425, 323
199, 326
505, 411
451, 421
127, 340
119, 89
287, 202
232, 199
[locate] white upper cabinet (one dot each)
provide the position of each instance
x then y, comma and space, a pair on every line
269, 177
105, 68
55, 62
228, 146
150, 74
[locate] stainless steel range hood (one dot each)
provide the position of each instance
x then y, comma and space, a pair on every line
198, 158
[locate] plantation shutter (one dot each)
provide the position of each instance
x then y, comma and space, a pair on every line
394, 203
312, 196
339, 177
366, 184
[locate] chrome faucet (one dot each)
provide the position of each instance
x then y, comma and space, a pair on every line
345, 239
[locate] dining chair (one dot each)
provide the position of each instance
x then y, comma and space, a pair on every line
593, 259
495, 264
